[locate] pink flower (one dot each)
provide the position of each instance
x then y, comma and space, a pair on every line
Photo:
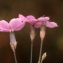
31, 19
15, 24
40, 21
45, 21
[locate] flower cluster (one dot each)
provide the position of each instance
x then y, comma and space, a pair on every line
17, 24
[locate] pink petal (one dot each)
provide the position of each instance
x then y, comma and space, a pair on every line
31, 19
22, 17
43, 19
38, 24
51, 24
16, 24
4, 26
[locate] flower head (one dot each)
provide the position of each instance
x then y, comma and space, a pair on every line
31, 19
15, 24
45, 21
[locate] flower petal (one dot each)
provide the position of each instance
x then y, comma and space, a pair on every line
43, 19
31, 19
16, 24
4, 26
51, 24
22, 17
38, 24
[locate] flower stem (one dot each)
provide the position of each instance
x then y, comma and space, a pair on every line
31, 51
13, 44
42, 35
40, 51
32, 36
15, 57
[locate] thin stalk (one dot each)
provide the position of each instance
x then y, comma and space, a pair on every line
31, 51
32, 36
40, 51
15, 57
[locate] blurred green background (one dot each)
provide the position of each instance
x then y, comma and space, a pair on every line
53, 42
